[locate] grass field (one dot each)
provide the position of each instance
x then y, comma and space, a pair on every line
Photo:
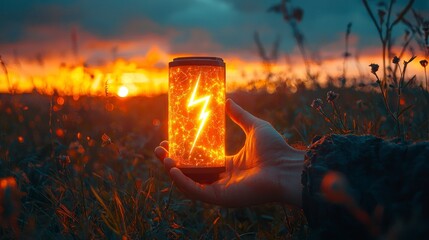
84, 168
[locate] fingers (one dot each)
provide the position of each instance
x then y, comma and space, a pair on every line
192, 189
161, 153
164, 144
168, 164
206, 193
240, 116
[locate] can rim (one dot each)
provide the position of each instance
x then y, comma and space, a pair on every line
197, 60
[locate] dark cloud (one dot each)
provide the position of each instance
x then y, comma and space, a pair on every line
249, 6
188, 25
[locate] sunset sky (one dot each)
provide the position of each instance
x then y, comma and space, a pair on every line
151, 32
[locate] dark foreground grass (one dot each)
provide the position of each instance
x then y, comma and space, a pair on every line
84, 168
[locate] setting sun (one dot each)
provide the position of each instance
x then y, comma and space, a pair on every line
123, 91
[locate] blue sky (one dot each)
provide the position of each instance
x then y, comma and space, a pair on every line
213, 27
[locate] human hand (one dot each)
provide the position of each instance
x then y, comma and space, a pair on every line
265, 170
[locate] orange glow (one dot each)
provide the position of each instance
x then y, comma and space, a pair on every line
7, 182
147, 74
59, 132
60, 101
196, 126
334, 188
123, 91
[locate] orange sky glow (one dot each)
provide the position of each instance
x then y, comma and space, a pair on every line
125, 48
148, 74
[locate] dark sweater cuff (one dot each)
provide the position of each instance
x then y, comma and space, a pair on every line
386, 182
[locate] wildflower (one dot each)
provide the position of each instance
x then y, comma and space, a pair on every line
424, 63
331, 96
317, 103
374, 68
395, 60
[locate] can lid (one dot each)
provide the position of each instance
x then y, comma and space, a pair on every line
194, 60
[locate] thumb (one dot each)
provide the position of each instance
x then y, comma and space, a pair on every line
240, 116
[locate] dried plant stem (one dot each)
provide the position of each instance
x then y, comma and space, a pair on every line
385, 98
329, 120
298, 38
51, 132
398, 104
398, 109
426, 80
170, 193
380, 34
400, 89
83, 204
385, 36
426, 94
401, 54
346, 53
3, 65
336, 112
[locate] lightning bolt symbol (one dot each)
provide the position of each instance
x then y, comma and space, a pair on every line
204, 113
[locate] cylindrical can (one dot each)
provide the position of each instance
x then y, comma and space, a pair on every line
196, 116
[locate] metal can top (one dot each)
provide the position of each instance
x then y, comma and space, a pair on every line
193, 60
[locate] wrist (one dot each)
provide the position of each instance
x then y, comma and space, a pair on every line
290, 187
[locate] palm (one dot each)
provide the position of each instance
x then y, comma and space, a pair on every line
254, 167
253, 175
262, 146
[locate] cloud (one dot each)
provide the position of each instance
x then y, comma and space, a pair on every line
194, 26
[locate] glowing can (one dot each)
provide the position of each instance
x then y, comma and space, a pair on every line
196, 116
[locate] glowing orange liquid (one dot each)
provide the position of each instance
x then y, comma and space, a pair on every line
196, 120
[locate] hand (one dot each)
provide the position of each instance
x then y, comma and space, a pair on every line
265, 170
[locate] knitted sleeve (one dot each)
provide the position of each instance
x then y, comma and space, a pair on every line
363, 187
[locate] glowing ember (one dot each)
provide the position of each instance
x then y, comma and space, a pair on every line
123, 91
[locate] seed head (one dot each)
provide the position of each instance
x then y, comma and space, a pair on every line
395, 60
424, 63
331, 96
374, 68
317, 104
